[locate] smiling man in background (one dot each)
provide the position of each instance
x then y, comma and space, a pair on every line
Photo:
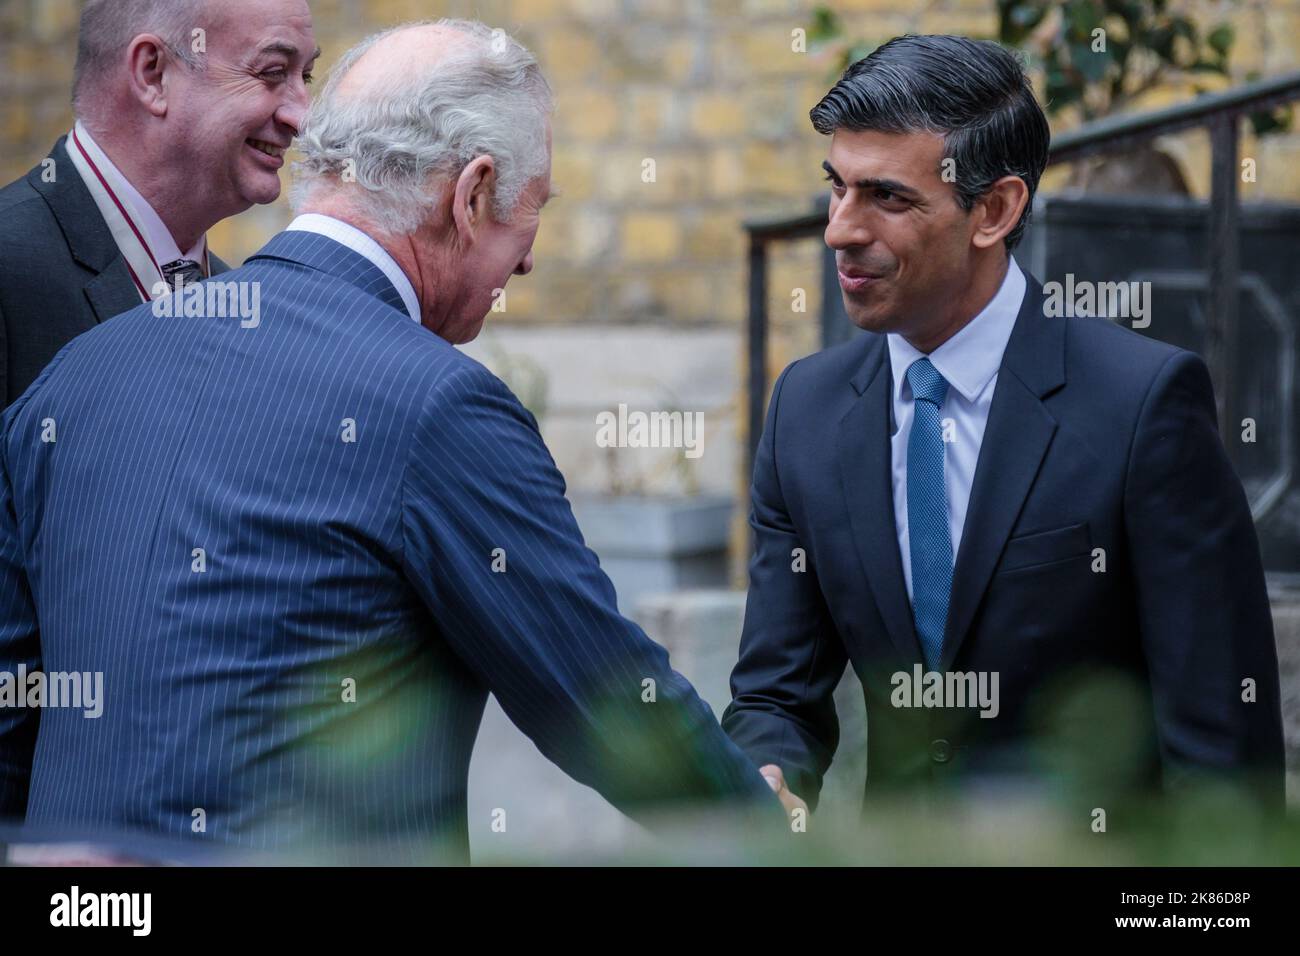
184, 109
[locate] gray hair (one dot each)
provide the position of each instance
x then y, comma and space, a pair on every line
108, 26
487, 98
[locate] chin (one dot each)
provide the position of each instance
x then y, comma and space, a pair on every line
260, 188
261, 196
868, 321
468, 335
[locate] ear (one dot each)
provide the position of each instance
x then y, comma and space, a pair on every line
999, 210
472, 197
148, 59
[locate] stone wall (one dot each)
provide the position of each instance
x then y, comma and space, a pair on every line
712, 92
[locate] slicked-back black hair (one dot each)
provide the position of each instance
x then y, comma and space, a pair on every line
972, 92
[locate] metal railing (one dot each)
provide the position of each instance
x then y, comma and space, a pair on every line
1221, 113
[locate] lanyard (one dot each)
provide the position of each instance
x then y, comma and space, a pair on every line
141, 263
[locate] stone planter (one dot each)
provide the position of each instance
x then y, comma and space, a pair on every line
655, 544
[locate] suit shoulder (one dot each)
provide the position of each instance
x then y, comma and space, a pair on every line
1104, 335
454, 378
837, 363
30, 235
23, 215
1117, 354
17, 192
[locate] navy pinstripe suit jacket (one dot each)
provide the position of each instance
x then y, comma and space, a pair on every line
318, 670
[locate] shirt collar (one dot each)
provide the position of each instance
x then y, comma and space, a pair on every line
969, 360
157, 236
356, 240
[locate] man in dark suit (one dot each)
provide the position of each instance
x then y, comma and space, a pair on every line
1022, 530
183, 109
302, 544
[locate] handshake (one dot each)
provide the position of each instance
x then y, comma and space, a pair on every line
301, 550
776, 780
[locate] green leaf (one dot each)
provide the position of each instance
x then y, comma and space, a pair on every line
1161, 41
1093, 66
1083, 17
1184, 27
1220, 39
1267, 122
825, 25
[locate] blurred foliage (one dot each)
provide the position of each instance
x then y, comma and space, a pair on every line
1093, 57
1099, 55
1201, 828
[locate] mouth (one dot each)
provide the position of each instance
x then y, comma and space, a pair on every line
271, 154
854, 281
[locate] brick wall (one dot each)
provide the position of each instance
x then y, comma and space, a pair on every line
710, 90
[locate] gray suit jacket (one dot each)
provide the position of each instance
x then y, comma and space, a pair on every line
61, 273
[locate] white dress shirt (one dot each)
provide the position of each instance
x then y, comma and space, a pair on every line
144, 240
356, 240
969, 361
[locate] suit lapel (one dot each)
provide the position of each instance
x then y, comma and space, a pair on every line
84, 229
1016, 438
867, 483
111, 291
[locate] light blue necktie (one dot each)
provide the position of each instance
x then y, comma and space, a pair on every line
929, 539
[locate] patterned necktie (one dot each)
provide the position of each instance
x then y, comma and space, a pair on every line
929, 539
187, 269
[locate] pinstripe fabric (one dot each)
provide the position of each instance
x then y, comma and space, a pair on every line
326, 561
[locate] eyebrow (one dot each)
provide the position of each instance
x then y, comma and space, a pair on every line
893, 185
288, 49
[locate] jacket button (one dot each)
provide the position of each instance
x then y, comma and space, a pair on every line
940, 751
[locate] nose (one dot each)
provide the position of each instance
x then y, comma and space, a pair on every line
844, 229
293, 109
525, 264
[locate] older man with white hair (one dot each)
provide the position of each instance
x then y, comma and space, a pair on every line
303, 550
183, 110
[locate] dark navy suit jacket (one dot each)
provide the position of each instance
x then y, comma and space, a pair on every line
1112, 683
61, 272
318, 671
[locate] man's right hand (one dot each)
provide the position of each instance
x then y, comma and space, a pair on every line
776, 780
